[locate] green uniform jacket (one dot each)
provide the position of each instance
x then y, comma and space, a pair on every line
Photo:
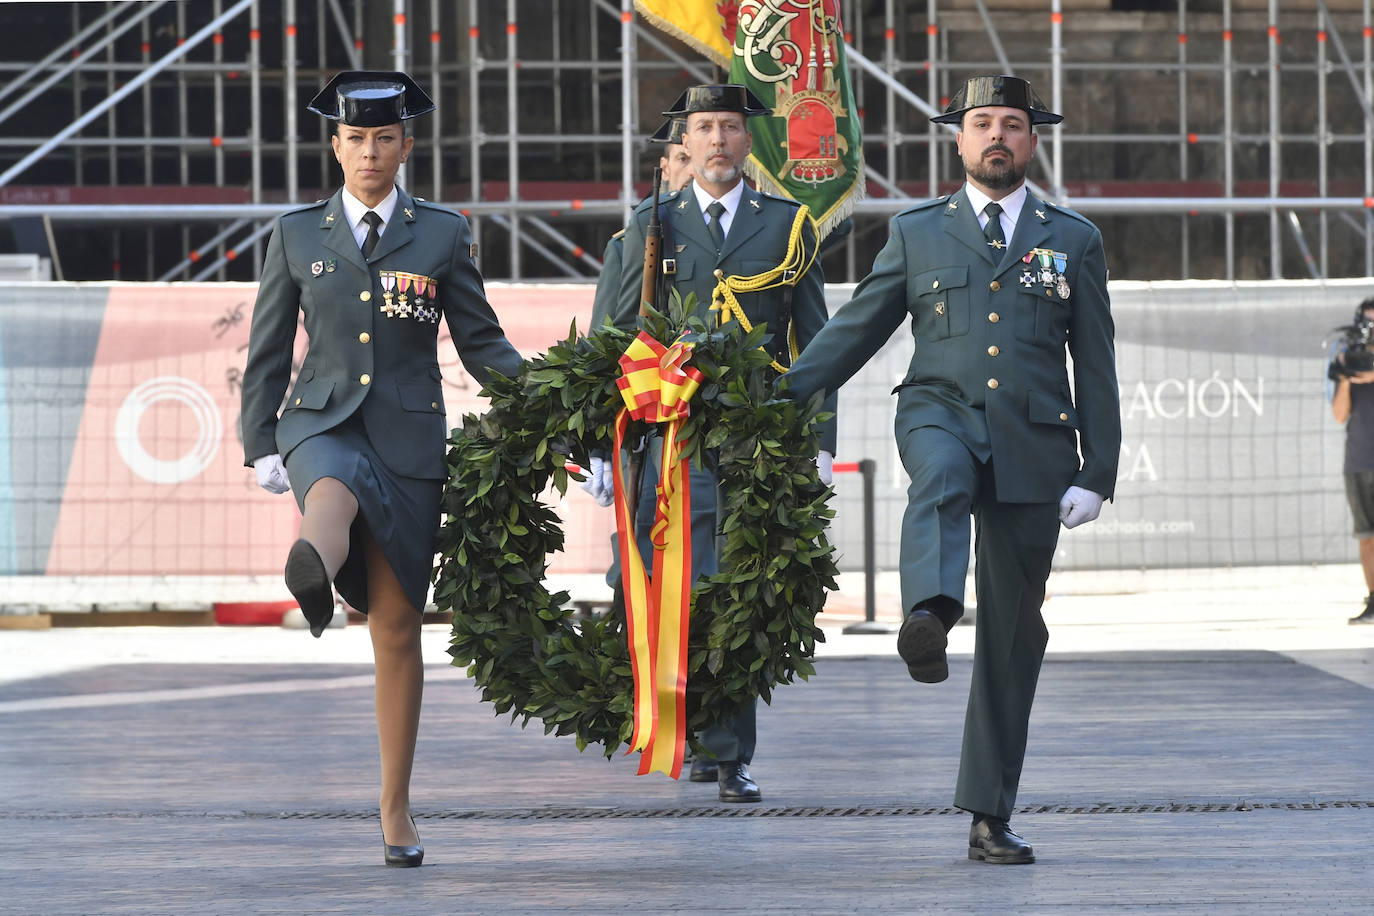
756, 242
608, 283
989, 365
359, 358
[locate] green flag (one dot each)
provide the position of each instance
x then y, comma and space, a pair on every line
790, 53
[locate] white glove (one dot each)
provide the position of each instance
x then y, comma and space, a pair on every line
599, 484
271, 474
1078, 506
825, 467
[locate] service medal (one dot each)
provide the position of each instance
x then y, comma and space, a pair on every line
1027, 279
317, 268
388, 283
1062, 287
1061, 260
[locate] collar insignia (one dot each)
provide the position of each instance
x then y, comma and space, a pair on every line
1040, 213
409, 213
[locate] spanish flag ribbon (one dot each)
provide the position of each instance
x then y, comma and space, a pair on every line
657, 387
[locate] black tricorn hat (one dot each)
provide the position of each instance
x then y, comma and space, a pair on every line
671, 132
1002, 91
371, 98
720, 97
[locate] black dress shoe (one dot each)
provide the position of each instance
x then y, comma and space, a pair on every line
308, 583
1367, 616
921, 644
735, 783
992, 840
402, 856
703, 770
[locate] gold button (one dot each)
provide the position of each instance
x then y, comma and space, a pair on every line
992, 383
993, 317
434, 405
365, 295
994, 286
364, 337
993, 351
935, 285
1063, 416
364, 378
298, 402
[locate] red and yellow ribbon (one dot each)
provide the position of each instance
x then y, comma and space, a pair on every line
657, 387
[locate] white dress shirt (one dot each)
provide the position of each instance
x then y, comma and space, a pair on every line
354, 209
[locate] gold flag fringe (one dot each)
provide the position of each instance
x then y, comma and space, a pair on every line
825, 222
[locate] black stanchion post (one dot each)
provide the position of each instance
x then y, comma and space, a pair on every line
868, 468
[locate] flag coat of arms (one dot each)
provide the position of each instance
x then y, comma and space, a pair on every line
790, 53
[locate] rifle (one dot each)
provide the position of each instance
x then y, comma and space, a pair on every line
648, 296
653, 236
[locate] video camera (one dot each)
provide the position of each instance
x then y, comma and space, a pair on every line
1353, 350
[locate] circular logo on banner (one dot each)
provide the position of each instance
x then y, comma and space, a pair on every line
208, 433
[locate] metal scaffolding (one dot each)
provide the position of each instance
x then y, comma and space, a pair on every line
543, 107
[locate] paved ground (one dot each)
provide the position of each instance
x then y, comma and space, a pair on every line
1200, 743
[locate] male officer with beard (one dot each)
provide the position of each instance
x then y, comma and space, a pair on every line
996, 282
719, 226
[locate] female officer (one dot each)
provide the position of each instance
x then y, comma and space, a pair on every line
361, 436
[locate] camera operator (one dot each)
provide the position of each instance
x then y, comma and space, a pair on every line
1352, 370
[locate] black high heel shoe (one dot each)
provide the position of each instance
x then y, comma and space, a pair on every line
404, 856
308, 583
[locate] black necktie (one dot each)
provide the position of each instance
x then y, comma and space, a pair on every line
370, 243
716, 229
993, 230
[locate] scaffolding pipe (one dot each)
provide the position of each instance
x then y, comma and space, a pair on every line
1298, 236
1185, 268
535, 245
436, 91
627, 56
1228, 124
889, 98
399, 60
293, 183
1322, 142
933, 91
232, 253
105, 44
345, 33
565, 243
474, 116
196, 255
130, 87
78, 160
1057, 99
26, 71
1368, 141
513, 147
1275, 157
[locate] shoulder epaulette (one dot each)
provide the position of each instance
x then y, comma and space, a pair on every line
925, 205
1070, 213
618, 235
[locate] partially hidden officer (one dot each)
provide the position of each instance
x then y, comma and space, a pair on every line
361, 435
996, 284
719, 223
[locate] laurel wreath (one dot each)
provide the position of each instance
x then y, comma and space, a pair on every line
752, 625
